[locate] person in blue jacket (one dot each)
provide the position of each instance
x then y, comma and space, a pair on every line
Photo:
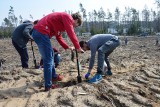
104, 44
20, 37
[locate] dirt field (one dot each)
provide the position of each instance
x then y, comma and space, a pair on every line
135, 81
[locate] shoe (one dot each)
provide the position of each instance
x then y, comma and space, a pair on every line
96, 79
58, 78
109, 73
52, 87
25, 67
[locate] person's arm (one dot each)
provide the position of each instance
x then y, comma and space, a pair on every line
92, 59
73, 37
91, 64
62, 42
26, 31
68, 24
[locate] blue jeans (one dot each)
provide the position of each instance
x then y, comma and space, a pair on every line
23, 54
104, 51
47, 54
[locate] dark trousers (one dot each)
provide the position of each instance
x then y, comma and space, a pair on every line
104, 51
23, 54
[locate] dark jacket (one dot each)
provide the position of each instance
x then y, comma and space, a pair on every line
22, 34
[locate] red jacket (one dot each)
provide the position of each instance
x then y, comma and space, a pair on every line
56, 23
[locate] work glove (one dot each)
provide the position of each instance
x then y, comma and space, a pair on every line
87, 75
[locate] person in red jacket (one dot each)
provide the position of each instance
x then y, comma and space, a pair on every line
53, 25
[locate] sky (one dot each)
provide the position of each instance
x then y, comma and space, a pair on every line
38, 8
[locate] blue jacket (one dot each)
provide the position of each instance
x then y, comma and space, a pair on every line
21, 34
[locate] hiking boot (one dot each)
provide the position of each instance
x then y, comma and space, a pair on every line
109, 73
96, 79
52, 87
58, 78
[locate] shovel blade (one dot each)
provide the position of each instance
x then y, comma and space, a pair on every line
79, 79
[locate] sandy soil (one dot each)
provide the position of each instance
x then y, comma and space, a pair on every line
135, 81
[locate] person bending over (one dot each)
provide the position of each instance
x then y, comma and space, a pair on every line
104, 44
54, 24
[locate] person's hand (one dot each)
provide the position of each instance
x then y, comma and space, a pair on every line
87, 75
80, 50
31, 39
71, 48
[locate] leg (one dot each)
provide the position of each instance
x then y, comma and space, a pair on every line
109, 72
57, 59
47, 54
107, 62
107, 49
57, 77
23, 54
112, 47
103, 52
24, 58
100, 60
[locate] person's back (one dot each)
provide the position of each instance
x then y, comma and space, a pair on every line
20, 36
54, 23
98, 40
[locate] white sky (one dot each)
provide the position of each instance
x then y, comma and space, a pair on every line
37, 8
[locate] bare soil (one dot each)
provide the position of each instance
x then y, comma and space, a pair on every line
135, 81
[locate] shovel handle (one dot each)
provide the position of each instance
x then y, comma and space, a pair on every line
79, 76
72, 55
34, 59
